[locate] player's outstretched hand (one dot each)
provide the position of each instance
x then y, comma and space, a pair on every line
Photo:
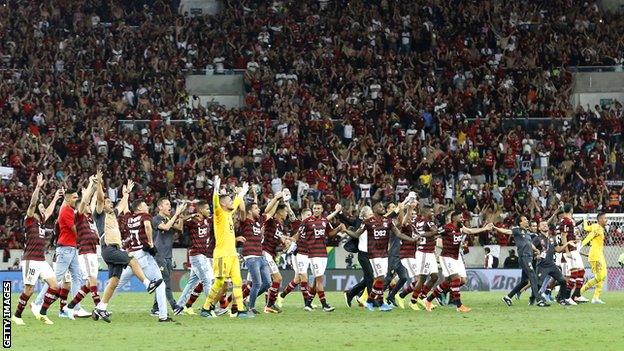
338, 208
180, 209
40, 181
216, 183
130, 185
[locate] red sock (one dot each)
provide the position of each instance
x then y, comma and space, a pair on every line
417, 293
455, 294
580, 279
407, 289
304, 291
224, 301
246, 289
290, 287
84, 290
424, 291
376, 293
439, 290
195, 294
23, 300
321, 295
50, 296
62, 295
94, 294
273, 290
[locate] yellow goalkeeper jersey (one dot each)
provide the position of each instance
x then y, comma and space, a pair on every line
595, 237
225, 240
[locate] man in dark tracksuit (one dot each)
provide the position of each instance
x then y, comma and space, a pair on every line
525, 250
164, 225
395, 266
546, 262
362, 257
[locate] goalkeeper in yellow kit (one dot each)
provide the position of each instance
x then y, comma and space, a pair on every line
225, 258
595, 237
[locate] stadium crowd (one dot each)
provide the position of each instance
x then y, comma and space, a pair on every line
345, 101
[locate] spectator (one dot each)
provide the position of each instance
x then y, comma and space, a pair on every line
512, 260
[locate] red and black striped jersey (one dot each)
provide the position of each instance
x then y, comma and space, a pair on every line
273, 231
200, 233
378, 229
425, 244
315, 231
136, 229
35, 240
566, 227
122, 221
252, 230
87, 236
452, 239
408, 248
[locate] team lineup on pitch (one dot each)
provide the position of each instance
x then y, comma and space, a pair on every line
395, 244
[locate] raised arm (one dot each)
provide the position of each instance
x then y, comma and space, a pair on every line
474, 231
170, 223
216, 187
122, 206
50, 209
35, 196
86, 195
504, 231
337, 210
271, 207
239, 196
99, 195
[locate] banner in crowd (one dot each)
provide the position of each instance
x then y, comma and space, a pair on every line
341, 279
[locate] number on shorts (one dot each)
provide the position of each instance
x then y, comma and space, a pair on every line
31, 271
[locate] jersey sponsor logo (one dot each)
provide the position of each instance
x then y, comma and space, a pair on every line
318, 233
379, 233
202, 232
256, 230
457, 239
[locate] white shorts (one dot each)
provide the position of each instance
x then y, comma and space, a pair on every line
426, 263
272, 265
565, 269
301, 263
451, 266
33, 270
380, 266
89, 265
66, 278
410, 266
574, 260
319, 264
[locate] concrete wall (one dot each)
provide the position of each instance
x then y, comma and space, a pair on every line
214, 84
612, 5
598, 82
200, 7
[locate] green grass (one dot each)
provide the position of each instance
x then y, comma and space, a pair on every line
490, 326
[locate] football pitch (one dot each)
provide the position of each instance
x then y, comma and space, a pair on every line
490, 325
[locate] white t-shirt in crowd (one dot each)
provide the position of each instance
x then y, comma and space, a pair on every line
348, 131
276, 185
128, 149
257, 155
365, 189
